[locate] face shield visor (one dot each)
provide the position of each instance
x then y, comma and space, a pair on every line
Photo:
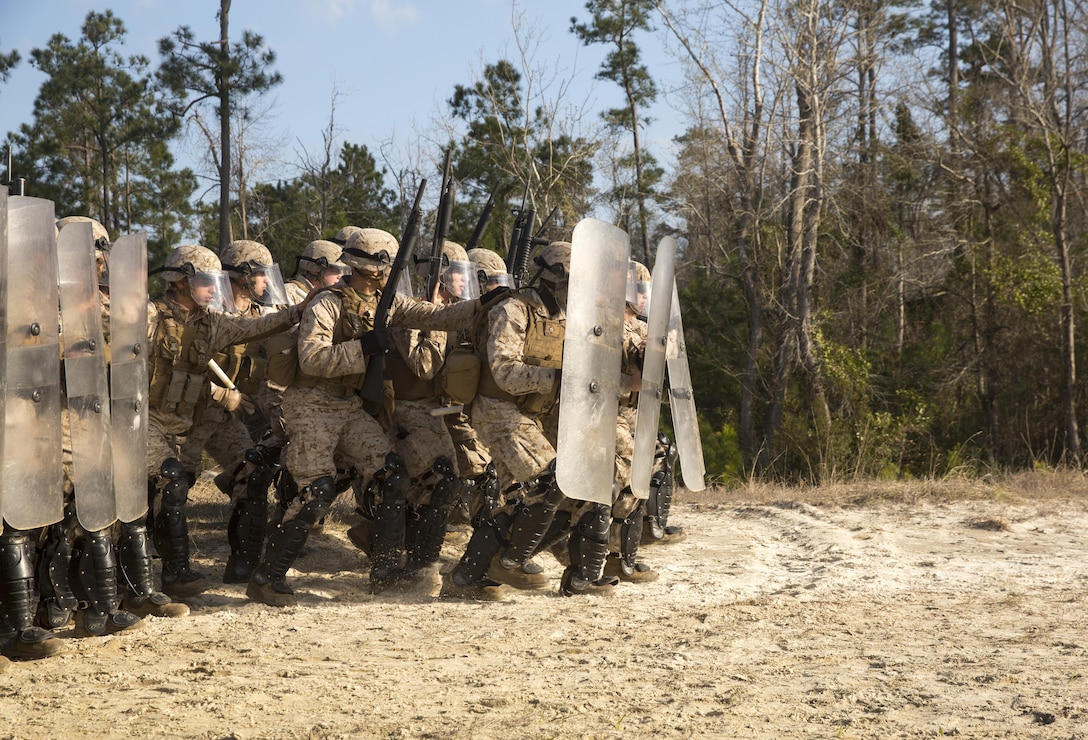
490, 282
322, 272
211, 290
266, 284
458, 280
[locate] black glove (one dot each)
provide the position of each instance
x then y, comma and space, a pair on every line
375, 342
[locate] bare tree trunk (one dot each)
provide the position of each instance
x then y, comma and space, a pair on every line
224, 127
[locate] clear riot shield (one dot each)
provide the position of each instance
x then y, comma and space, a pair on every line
31, 483
128, 374
88, 399
592, 354
685, 422
653, 369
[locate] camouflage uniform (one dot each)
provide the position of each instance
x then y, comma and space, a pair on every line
521, 352
179, 388
329, 427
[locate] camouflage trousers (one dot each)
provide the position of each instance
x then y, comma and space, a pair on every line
329, 433
420, 439
472, 454
518, 444
222, 434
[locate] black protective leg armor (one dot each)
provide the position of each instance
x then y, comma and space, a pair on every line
172, 533
487, 539
630, 535
248, 521
97, 582
484, 495
661, 488
287, 540
134, 557
425, 527
57, 600
531, 523
387, 536
18, 592
588, 547
19, 636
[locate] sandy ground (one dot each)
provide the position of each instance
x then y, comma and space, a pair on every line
867, 616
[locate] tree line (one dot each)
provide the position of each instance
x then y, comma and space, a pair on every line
880, 204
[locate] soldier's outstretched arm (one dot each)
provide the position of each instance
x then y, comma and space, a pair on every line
423, 315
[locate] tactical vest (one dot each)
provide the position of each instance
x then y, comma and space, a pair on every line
356, 319
543, 347
407, 386
243, 363
178, 363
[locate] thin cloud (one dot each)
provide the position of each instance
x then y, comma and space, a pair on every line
330, 11
391, 13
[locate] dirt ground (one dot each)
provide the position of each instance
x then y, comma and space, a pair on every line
872, 611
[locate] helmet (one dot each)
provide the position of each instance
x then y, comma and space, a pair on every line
243, 253
370, 249
554, 260
486, 260
320, 254
638, 288
321, 261
490, 269
341, 237
209, 285
98, 231
250, 263
189, 259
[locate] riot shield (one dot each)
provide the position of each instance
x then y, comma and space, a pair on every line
685, 422
128, 374
653, 369
592, 353
88, 399
31, 483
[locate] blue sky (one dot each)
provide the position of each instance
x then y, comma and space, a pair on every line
393, 62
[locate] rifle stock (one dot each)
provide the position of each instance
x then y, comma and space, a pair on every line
373, 390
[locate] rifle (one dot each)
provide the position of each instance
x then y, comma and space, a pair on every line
525, 241
441, 228
485, 217
373, 390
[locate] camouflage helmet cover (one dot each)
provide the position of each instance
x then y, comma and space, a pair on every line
98, 231
486, 260
342, 235
189, 259
319, 254
243, 252
555, 261
369, 249
453, 252
642, 275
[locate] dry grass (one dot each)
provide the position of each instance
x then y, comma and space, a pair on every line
1013, 488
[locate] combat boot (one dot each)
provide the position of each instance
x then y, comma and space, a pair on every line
616, 567
482, 590
96, 582
171, 533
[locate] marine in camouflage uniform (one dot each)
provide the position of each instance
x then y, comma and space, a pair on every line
184, 333
521, 355
625, 532
420, 435
257, 289
328, 425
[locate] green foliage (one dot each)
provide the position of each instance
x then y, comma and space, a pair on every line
97, 145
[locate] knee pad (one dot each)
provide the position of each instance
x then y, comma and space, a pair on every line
173, 484
322, 493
